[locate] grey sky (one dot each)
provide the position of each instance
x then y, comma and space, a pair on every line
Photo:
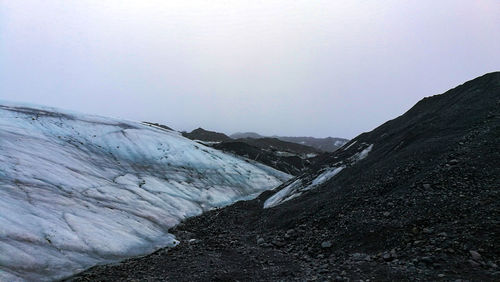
318, 68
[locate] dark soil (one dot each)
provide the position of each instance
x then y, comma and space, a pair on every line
424, 205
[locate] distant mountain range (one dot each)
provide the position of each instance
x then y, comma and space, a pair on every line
254, 135
328, 144
289, 154
289, 157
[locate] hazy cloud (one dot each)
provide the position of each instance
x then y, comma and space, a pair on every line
276, 67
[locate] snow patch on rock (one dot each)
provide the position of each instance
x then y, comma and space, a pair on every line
363, 154
300, 185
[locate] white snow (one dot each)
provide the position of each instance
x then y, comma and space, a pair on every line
78, 190
363, 154
339, 143
208, 143
284, 154
298, 186
283, 194
325, 176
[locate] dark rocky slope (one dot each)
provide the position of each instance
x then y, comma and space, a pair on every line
423, 205
276, 144
285, 158
328, 144
206, 135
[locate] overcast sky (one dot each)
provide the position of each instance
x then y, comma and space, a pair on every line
288, 67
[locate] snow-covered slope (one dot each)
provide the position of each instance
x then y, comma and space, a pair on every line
79, 190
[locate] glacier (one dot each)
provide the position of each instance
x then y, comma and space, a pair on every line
79, 190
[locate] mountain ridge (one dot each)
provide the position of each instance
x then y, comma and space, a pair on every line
206, 135
289, 157
327, 144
